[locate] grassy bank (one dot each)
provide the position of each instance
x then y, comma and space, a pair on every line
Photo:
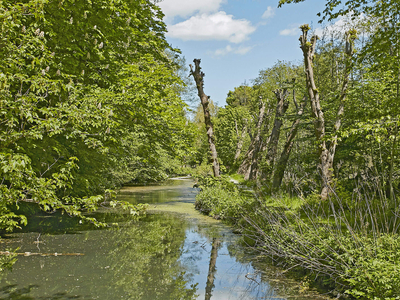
349, 244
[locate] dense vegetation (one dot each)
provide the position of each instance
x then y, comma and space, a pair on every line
317, 143
90, 99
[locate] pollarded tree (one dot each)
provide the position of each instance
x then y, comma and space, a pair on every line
273, 84
281, 164
326, 151
198, 77
375, 99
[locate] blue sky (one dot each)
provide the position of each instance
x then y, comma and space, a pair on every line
235, 39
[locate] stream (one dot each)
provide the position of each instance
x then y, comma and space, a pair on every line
172, 253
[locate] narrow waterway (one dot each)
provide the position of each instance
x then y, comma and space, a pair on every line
172, 253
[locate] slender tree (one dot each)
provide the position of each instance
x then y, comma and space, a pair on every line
249, 166
287, 148
273, 140
198, 76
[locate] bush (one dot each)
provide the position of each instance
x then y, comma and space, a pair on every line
348, 243
222, 199
356, 256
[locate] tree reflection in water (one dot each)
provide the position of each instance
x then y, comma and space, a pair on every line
147, 264
212, 268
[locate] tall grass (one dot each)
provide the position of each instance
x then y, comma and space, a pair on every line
350, 242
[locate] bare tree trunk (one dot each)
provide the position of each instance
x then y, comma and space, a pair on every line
198, 78
211, 268
249, 165
392, 150
282, 163
281, 108
391, 168
326, 152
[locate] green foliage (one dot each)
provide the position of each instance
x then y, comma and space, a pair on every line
221, 199
374, 267
361, 266
7, 261
240, 96
84, 106
350, 248
229, 126
333, 9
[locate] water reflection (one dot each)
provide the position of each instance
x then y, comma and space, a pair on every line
173, 253
212, 268
15, 293
146, 265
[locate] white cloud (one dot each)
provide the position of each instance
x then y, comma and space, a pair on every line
337, 27
229, 49
223, 51
185, 8
242, 50
217, 26
292, 30
342, 25
269, 13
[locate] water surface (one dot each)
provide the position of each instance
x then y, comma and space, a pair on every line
172, 253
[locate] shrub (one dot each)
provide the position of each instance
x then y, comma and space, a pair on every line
359, 256
222, 199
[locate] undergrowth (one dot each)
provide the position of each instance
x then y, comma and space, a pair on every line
348, 243
222, 199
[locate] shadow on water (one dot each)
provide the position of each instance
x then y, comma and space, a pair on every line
57, 223
12, 292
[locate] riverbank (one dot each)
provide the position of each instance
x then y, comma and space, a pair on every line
349, 251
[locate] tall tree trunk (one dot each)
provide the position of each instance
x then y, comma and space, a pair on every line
281, 108
198, 78
391, 166
211, 268
326, 152
249, 164
282, 163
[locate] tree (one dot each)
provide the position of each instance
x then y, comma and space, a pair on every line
76, 89
272, 146
198, 76
326, 151
234, 124
285, 154
249, 166
331, 12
